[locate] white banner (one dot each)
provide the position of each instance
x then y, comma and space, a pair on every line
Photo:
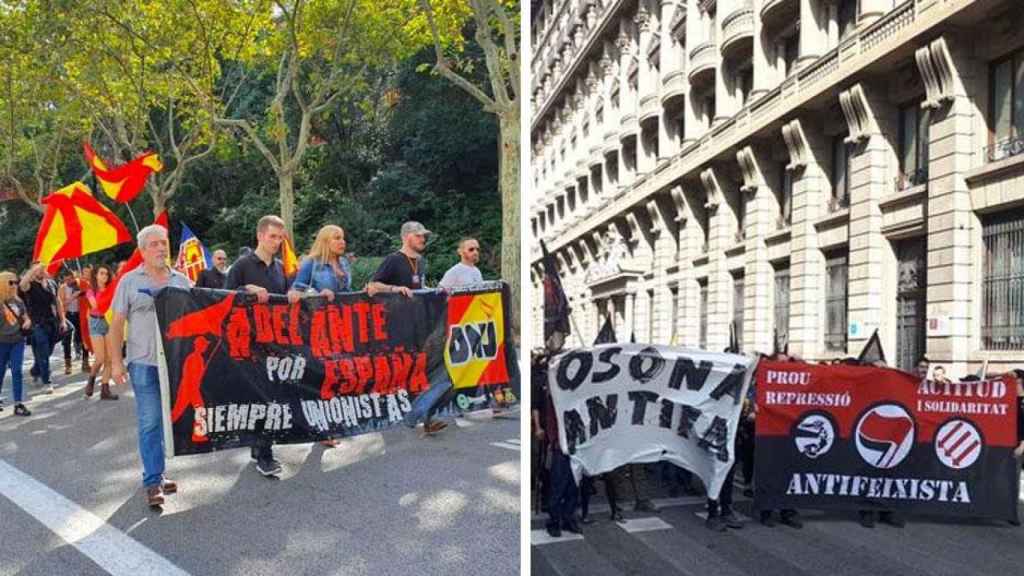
633, 403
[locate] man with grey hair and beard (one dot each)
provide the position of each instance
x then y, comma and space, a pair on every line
133, 302
215, 277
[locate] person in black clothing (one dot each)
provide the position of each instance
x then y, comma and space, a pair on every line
403, 272
261, 274
563, 492
214, 277
39, 293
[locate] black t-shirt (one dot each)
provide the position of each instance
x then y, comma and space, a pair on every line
249, 269
1020, 419
41, 301
397, 270
211, 278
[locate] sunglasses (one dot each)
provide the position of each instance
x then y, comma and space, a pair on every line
12, 282
472, 249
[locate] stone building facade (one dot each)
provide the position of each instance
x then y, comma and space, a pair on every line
811, 169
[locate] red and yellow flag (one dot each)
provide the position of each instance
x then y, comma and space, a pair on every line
288, 258
75, 224
475, 351
123, 183
103, 299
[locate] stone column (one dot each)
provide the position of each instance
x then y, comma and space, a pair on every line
725, 107
762, 69
871, 165
811, 188
629, 327
759, 222
627, 105
954, 236
645, 157
813, 31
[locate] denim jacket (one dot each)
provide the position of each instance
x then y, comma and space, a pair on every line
319, 275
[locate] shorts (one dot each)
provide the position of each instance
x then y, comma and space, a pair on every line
98, 326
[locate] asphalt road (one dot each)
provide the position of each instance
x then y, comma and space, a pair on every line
674, 542
379, 504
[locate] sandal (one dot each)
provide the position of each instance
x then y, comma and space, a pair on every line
20, 410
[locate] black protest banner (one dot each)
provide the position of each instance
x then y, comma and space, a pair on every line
866, 438
238, 371
630, 403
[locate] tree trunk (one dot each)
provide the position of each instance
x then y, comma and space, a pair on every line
508, 183
286, 195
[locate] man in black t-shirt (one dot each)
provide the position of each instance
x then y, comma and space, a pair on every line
39, 293
260, 273
405, 270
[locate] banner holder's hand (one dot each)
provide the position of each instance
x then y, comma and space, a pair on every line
262, 296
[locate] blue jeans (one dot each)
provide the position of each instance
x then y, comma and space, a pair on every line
13, 355
148, 409
42, 347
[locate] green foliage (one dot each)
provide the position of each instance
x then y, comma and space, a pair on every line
411, 148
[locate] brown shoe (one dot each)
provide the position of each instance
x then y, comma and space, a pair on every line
169, 486
67, 369
434, 426
90, 387
154, 498
329, 443
105, 393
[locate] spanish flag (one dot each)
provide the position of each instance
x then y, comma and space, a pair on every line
75, 224
288, 258
123, 183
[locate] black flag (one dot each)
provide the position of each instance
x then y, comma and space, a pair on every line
556, 305
734, 346
607, 333
872, 351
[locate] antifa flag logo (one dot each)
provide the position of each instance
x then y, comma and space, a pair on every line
885, 435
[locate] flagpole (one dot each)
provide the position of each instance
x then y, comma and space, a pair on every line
132, 214
576, 329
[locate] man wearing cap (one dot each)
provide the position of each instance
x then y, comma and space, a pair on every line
405, 270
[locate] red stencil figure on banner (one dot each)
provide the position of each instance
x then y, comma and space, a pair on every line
189, 390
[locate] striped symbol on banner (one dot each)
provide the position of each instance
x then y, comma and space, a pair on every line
958, 444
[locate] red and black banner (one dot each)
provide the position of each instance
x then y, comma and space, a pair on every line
238, 371
866, 438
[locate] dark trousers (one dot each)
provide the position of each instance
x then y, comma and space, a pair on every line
724, 503
746, 451
562, 505
71, 337
263, 449
587, 489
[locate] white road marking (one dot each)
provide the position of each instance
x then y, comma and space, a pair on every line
108, 547
644, 525
541, 537
508, 445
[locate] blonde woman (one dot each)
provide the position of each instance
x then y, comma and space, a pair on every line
324, 271
14, 323
98, 329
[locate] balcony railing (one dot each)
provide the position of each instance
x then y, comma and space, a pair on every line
737, 26
702, 58
1003, 149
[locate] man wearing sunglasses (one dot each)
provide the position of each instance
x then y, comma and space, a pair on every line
464, 272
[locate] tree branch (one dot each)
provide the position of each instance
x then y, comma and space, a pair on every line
245, 126
442, 67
